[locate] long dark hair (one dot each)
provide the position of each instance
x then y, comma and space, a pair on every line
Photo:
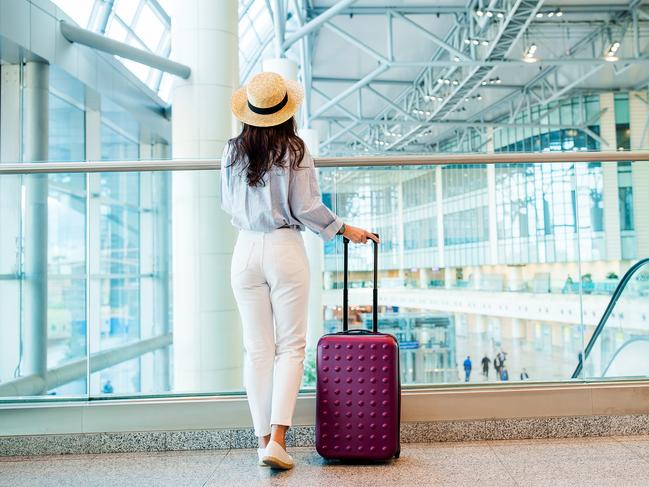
257, 149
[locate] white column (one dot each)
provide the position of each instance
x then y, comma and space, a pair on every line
439, 207
514, 278
315, 251
450, 277
609, 179
638, 112
424, 277
491, 202
10, 219
35, 137
208, 349
518, 328
314, 245
401, 239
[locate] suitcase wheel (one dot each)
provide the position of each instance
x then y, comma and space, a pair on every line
398, 453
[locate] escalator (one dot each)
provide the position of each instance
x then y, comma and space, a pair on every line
619, 345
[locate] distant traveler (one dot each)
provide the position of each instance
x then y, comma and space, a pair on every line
269, 186
524, 375
467, 368
107, 388
498, 365
485, 366
502, 356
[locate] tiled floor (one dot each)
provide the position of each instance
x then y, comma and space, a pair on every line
613, 461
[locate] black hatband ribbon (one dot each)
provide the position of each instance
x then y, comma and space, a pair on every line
269, 110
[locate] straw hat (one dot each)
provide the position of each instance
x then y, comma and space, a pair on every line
267, 100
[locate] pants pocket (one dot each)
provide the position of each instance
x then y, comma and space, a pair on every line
241, 257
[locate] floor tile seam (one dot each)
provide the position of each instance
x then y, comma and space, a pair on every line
216, 468
503, 466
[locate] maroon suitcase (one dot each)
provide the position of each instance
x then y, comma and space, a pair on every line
358, 391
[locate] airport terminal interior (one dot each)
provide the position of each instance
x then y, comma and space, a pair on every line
500, 148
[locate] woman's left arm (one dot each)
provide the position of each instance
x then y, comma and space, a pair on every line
306, 201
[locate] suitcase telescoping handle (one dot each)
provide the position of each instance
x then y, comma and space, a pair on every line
375, 290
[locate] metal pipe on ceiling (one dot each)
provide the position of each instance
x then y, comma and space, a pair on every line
101, 43
315, 24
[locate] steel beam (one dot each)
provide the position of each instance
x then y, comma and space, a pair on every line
279, 24
326, 79
362, 82
353, 40
316, 23
456, 123
97, 41
440, 42
459, 9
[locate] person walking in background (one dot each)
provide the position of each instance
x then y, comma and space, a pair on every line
486, 361
502, 356
498, 365
269, 186
524, 375
467, 368
107, 388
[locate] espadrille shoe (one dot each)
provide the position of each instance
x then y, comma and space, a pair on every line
260, 453
276, 457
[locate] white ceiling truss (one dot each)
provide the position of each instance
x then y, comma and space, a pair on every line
458, 89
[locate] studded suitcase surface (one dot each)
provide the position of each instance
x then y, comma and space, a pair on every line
358, 391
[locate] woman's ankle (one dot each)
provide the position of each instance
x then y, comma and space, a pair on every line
263, 441
278, 434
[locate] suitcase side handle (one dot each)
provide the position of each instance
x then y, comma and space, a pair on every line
375, 290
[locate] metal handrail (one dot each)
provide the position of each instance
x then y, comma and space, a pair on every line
361, 161
607, 313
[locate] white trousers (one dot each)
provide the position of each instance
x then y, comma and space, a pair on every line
270, 281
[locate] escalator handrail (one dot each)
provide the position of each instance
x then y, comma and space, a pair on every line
624, 345
609, 310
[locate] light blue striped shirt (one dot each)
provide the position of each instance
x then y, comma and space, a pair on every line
289, 197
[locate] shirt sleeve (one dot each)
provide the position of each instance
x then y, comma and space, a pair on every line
306, 203
225, 171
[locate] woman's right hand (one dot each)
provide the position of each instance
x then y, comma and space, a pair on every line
359, 235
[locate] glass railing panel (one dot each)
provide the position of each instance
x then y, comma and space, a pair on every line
43, 285
476, 261
511, 259
620, 345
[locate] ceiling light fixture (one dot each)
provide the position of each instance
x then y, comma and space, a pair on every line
530, 54
611, 52
479, 13
476, 42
